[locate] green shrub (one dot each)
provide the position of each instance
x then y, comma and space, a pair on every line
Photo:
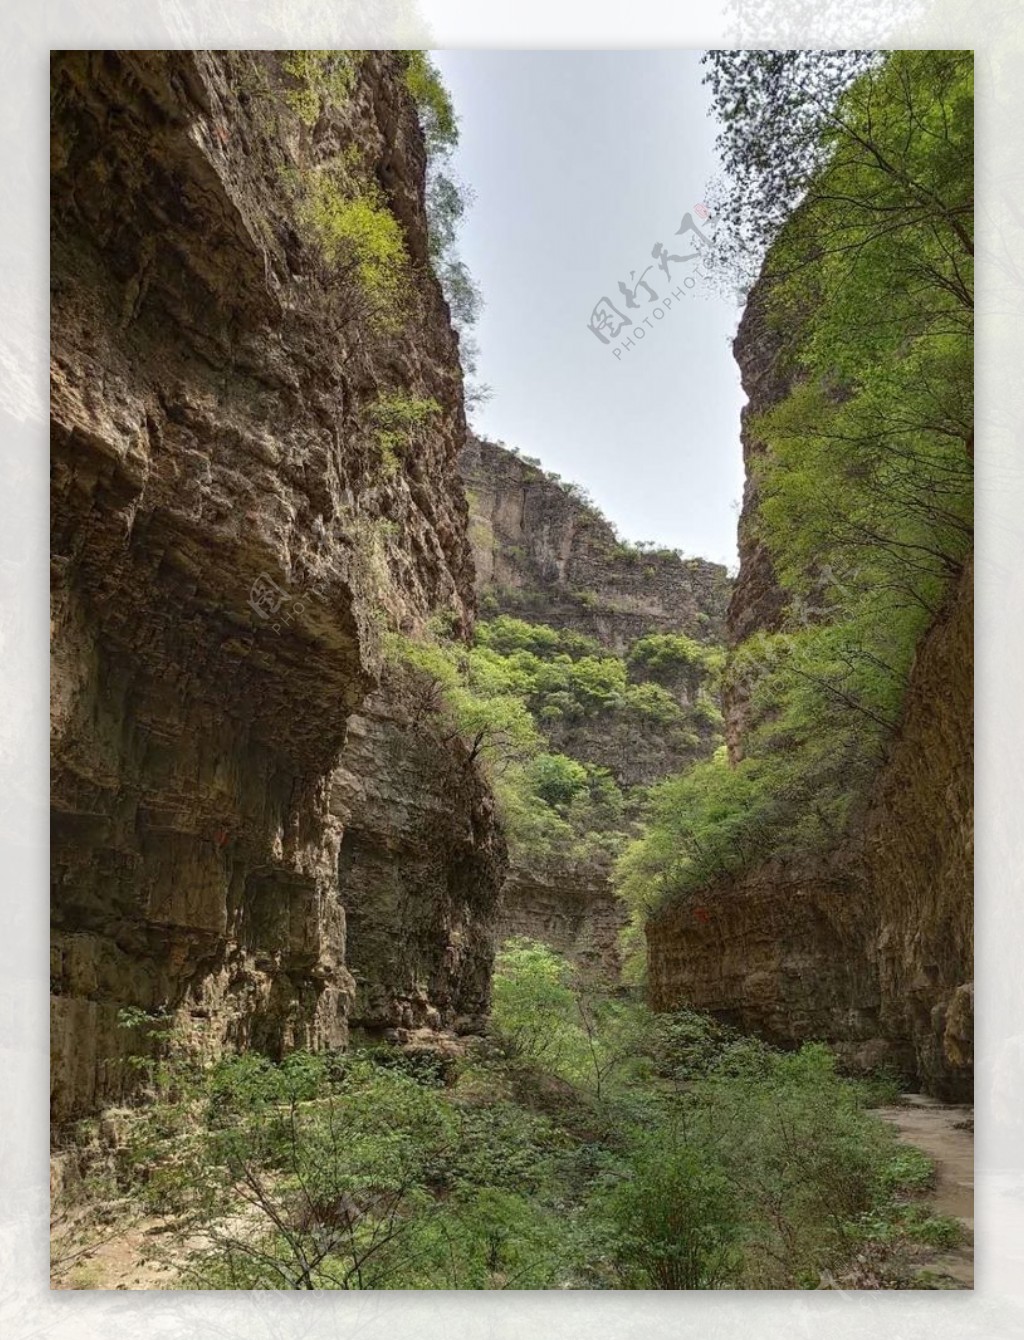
895, 1222
354, 228
671, 1216
803, 1157
506, 635
907, 1169
487, 1238
653, 703
533, 1009
322, 79
699, 826
686, 1045
397, 417
557, 779
884, 1087
934, 1230
437, 115
553, 807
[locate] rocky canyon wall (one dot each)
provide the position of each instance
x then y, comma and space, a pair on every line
544, 554
542, 551
228, 543
868, 946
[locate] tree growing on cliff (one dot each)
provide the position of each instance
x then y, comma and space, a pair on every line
863, 468
772, 109
447, 199
849, 146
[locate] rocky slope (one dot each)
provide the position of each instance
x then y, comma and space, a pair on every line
544, 554
541, 550
226, 548
868, 946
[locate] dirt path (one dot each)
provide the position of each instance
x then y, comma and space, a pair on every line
938, 1129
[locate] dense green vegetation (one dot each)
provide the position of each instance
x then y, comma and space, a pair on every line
865, 486
319, 79
584, 1144
677, 661
349, 217
519, 683
553, 806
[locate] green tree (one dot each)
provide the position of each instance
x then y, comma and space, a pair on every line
772, 108
533, 1012
862, 469
558, 779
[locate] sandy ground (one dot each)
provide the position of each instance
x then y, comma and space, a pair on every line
939, 1130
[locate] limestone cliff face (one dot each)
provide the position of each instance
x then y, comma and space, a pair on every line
767, 375
225, 544
919, 839
544, 554
757, 603
420, 865
571, 908
869, 946
784, 952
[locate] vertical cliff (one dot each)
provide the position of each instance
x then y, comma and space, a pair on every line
235, 520
544, 554
420, 865
919, 838
866, 943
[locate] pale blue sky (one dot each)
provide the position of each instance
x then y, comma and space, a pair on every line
581, 162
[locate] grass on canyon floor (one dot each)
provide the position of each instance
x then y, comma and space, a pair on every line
585, 1143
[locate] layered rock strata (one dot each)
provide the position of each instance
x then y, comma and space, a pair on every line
868, 946
226, 548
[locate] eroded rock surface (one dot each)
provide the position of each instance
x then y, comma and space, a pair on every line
870, 946
544, 554
225, 543
420, 865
